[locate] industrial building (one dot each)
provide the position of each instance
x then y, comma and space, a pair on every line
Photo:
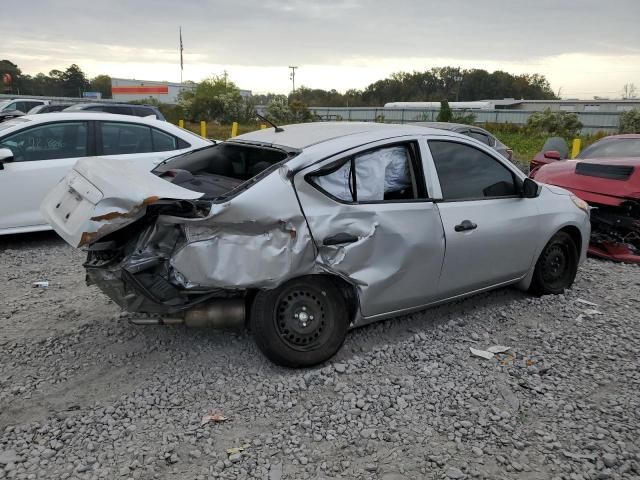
127, 90
567, 105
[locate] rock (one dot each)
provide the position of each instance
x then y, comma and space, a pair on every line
235, 457
455, 473
8, 456
610, 460
340, 367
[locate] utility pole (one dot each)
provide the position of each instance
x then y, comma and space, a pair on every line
292, 76
458, 80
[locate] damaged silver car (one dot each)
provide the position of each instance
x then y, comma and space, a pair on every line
308, 230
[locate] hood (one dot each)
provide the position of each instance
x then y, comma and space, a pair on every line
100, 196
608, 181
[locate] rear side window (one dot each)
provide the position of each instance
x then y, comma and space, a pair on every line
163, 142
48, 142
120, 138
378, 175
125, 138
466, 173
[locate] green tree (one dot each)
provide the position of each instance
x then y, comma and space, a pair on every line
562, 124
216, 98
102, 84
278, 111
74, 81
630, 121
445, 114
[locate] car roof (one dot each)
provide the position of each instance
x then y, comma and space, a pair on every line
621, 136
303, 135
66, 115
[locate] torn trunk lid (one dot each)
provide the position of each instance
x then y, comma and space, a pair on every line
98, 197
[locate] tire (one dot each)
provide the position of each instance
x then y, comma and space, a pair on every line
301, 323
556, 267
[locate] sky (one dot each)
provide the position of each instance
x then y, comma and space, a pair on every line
585, 48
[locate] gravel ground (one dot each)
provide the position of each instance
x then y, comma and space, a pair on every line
86, 395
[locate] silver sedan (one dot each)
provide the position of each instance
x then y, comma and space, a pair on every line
307, 230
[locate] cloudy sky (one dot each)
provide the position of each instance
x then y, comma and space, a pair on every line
584, 47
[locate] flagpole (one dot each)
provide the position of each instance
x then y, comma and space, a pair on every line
181, 62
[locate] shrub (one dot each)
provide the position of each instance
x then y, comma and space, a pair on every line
463, 117
630, 121
561, 124
445, 114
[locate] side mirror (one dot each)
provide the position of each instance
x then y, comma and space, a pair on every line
530, 189
552, 155
6, 155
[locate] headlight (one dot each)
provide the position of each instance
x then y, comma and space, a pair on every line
581, 204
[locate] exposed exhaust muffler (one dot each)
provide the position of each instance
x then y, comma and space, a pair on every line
223, 313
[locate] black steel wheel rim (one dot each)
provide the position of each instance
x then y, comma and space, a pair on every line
556, 265
302, 317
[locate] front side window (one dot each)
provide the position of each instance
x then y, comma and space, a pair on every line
467, 173
48, 142
382, 174
125, 138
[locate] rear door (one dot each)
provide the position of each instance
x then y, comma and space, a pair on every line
490, 230
373, 222
43, 154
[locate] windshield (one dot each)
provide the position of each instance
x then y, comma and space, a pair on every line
613, 148
12, 123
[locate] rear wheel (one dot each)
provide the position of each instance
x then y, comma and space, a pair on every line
301, 323
556, 267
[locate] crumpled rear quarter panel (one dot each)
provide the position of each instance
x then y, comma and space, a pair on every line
258, 239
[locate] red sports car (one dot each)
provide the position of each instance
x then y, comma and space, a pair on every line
607, 176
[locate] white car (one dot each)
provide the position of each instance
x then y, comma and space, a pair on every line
21, 104
36, 151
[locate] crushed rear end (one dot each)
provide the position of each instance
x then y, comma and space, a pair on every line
192, 239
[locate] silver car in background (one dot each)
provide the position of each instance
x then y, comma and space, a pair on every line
472, 131
308, 230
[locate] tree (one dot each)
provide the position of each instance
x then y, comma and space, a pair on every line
629, 91
562, 124
630, 121
216, 98
278, 111
74, 81
102, 84
445, 114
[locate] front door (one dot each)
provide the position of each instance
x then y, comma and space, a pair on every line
42, 156
490, 229
372, 221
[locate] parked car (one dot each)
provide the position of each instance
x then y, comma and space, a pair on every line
20, 104
52, 107
554, 149
607, 176
4, 116
307, 230
472, 131
36, 151
118, 108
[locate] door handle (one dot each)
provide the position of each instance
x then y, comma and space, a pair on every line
465, 225
340, 238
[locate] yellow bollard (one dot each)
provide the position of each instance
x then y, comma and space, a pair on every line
203, 128
262, 126
575, 147
181, 123
234, 129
